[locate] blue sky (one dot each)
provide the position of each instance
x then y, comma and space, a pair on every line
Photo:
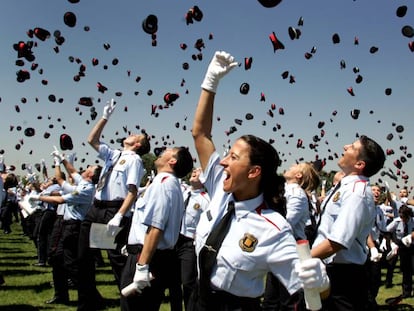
239, 27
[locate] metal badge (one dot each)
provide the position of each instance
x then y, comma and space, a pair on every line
196, 206
336, 196
248, 243
122, 162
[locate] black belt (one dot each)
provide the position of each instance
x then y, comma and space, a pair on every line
184, 238
107, 204
223, 298
71, 222
134, 249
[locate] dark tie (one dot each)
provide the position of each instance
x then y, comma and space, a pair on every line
405, 229
104, 178
325, 202
187, 200
208, 254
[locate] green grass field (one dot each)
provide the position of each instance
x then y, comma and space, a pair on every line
27, 287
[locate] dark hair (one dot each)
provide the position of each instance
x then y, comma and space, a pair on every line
184, 163
145, 145
10, 181
264, 155
96, 174
405, 211
372, 154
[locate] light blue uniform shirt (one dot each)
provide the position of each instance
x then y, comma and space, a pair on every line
260, 240
79, 200
128, 170
198, 203
297, 207
348, 219
397, 227
160, 207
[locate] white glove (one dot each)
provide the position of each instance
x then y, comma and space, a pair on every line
71, 157
113, 224
124, 251
404, 200
220, 65
312, 274
142, 277
57, 156
375, 255
393, 252
387, 186
34, 197
383, 245
29, 169
109, 109
43, 162
407, 240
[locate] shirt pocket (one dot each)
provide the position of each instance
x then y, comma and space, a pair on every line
231, 262
119, 172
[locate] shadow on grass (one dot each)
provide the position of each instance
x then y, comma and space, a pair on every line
36, 288
18, 307
399, 307
17, 272
17, 262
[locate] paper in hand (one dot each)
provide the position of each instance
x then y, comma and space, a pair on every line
100, 238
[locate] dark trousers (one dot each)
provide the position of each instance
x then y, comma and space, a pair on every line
43, 234
222, 301
406, 266
187, 266
349, 287
65, 259
88, 294
151, 297
6, 215
373, 270
276, 297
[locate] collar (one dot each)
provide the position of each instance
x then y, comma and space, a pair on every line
353, 178
242, 208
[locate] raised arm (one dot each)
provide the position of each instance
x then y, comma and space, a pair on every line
220, 65
95, 134
202, 126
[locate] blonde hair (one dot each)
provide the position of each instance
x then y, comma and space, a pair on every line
310, 178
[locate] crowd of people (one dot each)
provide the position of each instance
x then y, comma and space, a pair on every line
226, 239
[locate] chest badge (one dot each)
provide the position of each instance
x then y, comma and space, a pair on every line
248, 243
122, 162
196, 206
336, 197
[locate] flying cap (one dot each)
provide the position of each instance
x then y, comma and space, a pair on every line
401, 11
399, 128
170, 97
248, 63
85, 101
65, 142
277, 45
355, 113
408, 31
150, 24
244, 88
29, 132
69, 19
41, 34
335, 38
269, 3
